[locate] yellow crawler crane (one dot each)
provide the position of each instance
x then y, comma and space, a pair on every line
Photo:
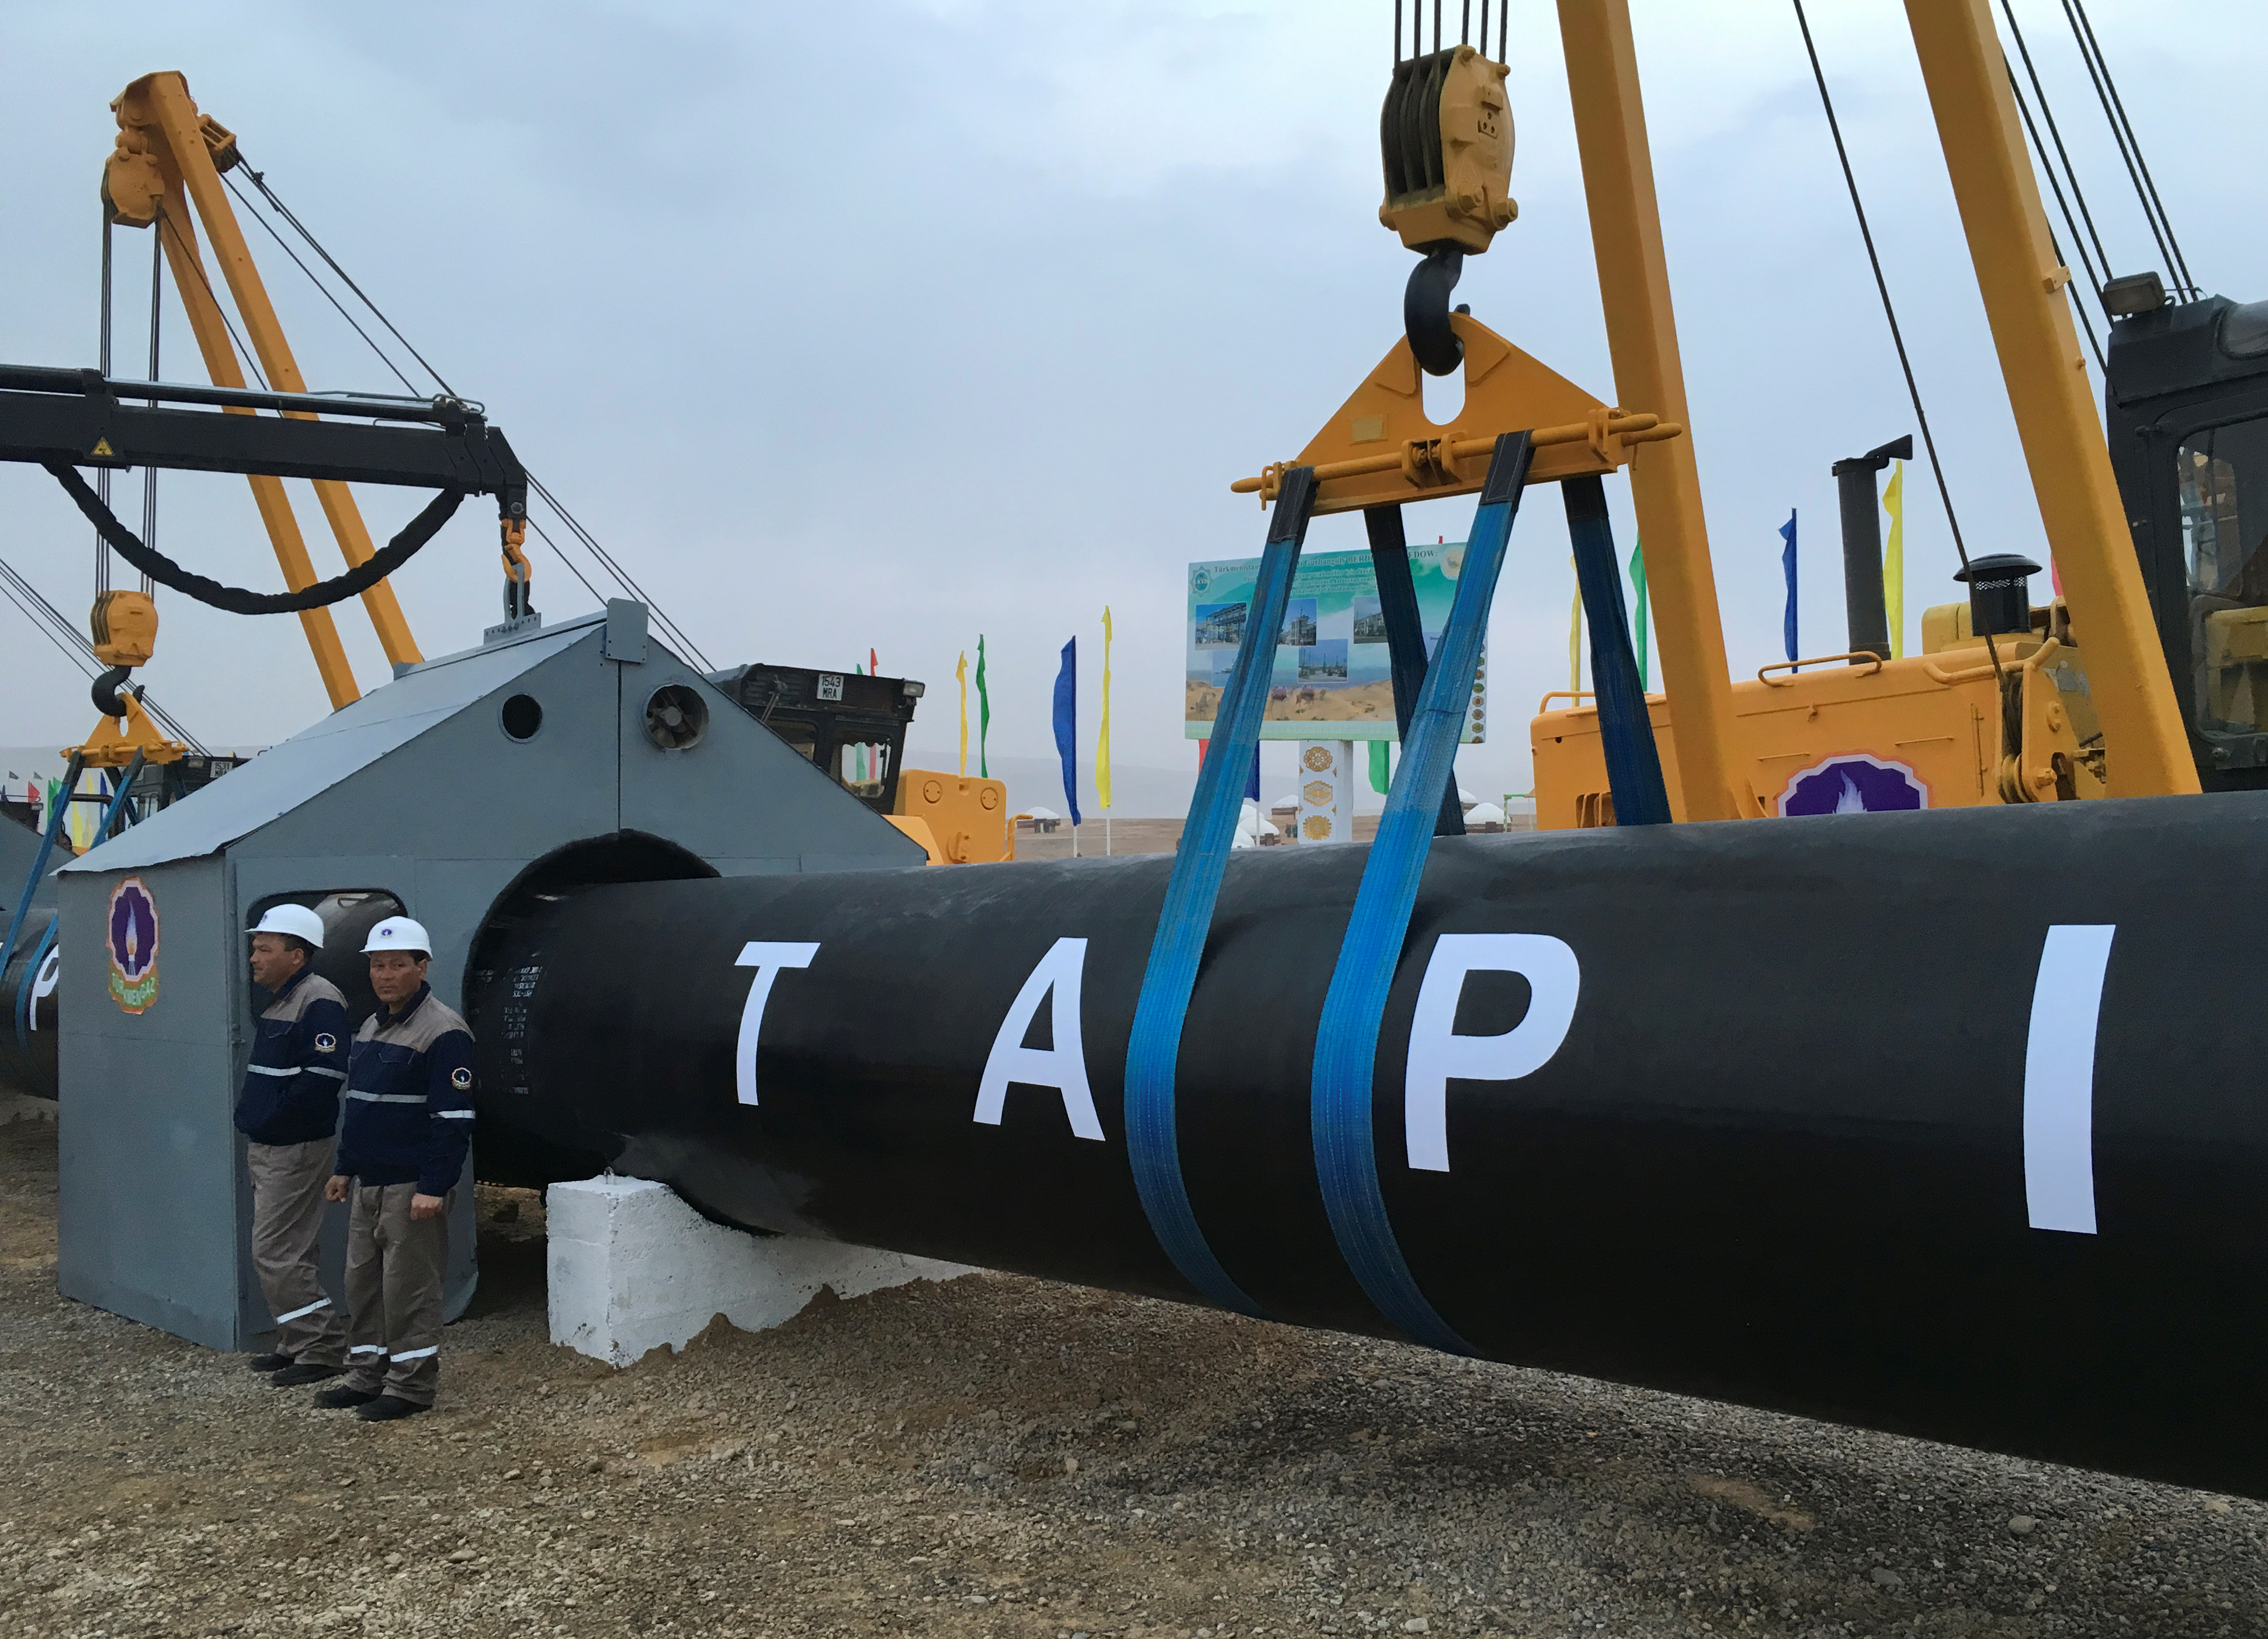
2006, 703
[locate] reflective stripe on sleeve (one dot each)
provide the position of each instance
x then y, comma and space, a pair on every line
367, 1348
416, 1354
317, 1069
271, 1069
387, 1098
320, 1302
455, 1115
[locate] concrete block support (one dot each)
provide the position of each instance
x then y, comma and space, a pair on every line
630, 1267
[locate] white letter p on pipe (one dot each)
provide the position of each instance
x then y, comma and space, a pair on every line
1438, 1054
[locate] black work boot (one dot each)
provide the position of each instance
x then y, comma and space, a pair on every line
293, 1377
388, 1407
270, 1362
345, 1395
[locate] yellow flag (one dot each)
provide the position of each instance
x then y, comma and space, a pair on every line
1575, 639
1102, 749
1894, 559
961, 673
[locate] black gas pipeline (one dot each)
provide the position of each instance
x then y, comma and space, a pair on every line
1719, 1144
27, 1011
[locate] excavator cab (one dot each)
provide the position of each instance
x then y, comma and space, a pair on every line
2188, 423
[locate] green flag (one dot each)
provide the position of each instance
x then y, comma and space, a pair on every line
1638, 581
1380, 781
983, 711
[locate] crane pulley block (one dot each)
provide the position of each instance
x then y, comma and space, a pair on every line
135, 177
124, 626
1445, 137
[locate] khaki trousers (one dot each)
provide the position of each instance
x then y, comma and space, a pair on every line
287, 1217
394, 1270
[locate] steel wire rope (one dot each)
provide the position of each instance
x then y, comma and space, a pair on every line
1889, 312
670, 627
545, 537
9, 581
260, 181
2129, 145
197, 265
2077, 306
102, 475
325, 289
2047, 113
50, 621
150, 474
663, 620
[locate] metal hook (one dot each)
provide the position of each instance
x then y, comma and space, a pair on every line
1426, 310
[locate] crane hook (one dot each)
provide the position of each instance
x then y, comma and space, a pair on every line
1426, 310
109, 698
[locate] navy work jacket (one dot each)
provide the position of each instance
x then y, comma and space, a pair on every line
290, 1091
410, 1098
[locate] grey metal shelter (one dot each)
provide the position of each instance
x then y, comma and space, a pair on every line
441, 788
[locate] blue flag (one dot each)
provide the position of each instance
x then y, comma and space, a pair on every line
1067, 724
1787, 562
1252, 780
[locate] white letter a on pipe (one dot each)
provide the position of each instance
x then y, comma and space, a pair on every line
1062, 1067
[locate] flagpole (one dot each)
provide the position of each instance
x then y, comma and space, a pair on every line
1102, 748
1575, 642
1894, 559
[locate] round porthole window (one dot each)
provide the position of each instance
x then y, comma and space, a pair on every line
522, 716
675, 717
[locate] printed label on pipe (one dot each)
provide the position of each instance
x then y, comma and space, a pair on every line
1062, 1067
767, 959
2059, 1078
1438, 1053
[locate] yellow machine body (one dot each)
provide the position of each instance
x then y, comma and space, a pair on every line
966, 818
124, 627
1939, 715
1446, 138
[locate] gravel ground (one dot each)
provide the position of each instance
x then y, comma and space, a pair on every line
998, 1456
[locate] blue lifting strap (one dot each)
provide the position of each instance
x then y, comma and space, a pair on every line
1405, 637
1346, 1046
39, 860
1625, 731
24, 1000
1154, 1050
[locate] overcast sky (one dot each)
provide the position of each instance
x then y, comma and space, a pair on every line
881, 326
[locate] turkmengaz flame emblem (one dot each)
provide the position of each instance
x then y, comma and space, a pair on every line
1853, 784
132, 936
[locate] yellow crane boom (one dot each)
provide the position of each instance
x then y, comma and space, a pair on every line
169, 158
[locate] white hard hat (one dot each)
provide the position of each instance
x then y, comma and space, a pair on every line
295, 919
399, 933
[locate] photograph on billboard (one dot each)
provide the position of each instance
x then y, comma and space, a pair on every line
1331, 679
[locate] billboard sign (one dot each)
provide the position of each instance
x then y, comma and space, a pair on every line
1332, 679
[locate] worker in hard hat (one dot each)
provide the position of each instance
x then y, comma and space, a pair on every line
288, 1110
409, 1124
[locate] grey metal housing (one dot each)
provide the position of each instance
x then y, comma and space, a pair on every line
417, 789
